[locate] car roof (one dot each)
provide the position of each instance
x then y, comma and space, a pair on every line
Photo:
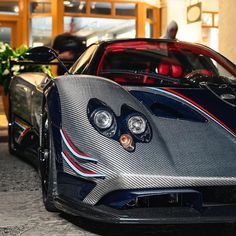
158, 40
106, 43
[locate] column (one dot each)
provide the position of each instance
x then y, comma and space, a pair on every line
227, 29
57, 17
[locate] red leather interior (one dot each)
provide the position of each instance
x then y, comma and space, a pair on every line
163, 69
175, 71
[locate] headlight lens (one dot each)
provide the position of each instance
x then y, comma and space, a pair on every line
103, 119
137, 124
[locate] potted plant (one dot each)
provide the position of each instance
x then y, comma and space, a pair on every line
8, 69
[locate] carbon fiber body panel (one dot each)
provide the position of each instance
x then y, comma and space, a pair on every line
182, 153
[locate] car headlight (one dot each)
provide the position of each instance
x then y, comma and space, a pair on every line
103, 119
137, 124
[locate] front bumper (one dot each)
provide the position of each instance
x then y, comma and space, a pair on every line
160, 215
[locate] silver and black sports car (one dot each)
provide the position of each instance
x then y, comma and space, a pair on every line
137, 131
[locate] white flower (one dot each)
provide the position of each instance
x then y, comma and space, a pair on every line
15, 68
6, 72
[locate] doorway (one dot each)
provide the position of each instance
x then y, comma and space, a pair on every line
7, 33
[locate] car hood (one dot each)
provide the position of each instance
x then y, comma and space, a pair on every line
191, 128
192, 143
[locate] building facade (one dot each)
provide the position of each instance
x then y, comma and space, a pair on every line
37, 22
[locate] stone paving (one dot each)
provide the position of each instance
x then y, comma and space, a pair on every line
22, 211
21, 208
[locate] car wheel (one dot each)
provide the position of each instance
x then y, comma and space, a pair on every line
48, 167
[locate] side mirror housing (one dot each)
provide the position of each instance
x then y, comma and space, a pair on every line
43, 54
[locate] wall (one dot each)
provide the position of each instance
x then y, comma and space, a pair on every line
227, 29
210, 5
177, 10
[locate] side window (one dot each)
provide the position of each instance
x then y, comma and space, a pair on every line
83, 60
223, 71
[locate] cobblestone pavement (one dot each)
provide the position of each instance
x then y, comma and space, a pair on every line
22, 211
21, 208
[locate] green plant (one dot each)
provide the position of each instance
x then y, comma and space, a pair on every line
10, 66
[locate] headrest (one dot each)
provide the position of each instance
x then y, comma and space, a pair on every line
163, 69
175, 71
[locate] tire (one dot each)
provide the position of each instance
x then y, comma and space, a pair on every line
48, 169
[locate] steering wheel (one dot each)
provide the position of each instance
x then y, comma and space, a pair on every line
197, 76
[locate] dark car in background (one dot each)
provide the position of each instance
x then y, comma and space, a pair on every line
137, 131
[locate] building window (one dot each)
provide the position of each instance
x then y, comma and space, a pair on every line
149, 13
9, 8
93, 29
100, 8
210, 29
5, 34
75, 6
210, 19
125, 9
40, 7
41, 31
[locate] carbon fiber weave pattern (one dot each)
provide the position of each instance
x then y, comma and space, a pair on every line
181, 153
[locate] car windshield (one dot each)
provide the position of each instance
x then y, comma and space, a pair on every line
164, 64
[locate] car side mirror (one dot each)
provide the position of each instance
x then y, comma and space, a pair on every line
43, 54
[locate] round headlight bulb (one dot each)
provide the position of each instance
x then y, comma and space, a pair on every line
137, 124
103, 119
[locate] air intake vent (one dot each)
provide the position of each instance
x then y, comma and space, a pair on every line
163, 106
